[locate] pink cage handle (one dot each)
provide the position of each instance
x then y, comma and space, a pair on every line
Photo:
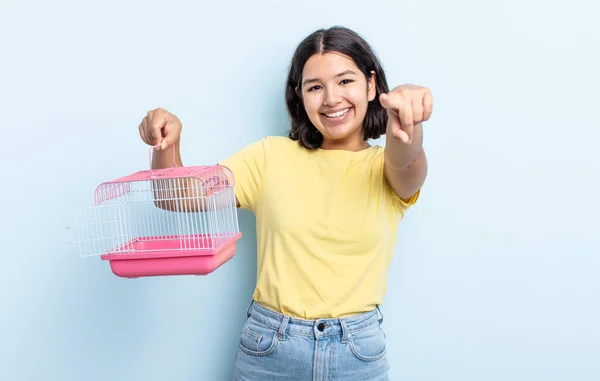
152, 150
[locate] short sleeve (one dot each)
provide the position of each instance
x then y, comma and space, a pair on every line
400, 203
247, 166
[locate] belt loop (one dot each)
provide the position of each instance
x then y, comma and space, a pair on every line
248, 308
283, 327
380, 314
345, 333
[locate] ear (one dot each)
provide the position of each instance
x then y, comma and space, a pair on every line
298, 93
372, 86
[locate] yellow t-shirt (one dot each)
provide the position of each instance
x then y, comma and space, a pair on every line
326, 225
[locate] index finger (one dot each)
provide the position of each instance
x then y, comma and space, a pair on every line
407, 121
391, 101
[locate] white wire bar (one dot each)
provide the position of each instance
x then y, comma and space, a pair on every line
158, 215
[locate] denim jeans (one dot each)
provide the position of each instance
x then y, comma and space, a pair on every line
276, 347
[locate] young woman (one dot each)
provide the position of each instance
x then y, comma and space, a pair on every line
327, 207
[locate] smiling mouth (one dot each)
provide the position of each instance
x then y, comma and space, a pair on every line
338, 114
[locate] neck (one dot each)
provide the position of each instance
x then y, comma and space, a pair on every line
353, 143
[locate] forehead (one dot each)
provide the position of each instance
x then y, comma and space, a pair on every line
328, 65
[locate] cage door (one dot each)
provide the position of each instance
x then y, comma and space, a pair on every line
101, 229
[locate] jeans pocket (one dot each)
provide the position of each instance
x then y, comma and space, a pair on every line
368, 345
257, 339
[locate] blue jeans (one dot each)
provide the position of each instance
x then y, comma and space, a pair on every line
276, 347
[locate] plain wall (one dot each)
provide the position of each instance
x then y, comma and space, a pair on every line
495, 275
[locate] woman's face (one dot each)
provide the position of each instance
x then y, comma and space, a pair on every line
336, 95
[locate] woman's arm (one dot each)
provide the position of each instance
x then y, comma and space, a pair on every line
404, 169
405, 165
162, 129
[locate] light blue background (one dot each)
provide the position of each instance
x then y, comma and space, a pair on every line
496, 271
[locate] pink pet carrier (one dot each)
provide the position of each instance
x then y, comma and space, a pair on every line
173, 221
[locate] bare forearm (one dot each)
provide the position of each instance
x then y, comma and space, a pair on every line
405, 164
164, 158
399, 155
174, 195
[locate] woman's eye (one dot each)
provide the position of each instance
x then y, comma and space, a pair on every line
346, 81
314, 88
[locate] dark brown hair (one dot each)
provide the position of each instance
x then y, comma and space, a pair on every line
347, 42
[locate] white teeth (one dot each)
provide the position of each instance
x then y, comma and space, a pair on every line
337, 114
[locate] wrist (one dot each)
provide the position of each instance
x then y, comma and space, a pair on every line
400, 155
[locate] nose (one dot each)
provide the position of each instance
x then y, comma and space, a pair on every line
332, 96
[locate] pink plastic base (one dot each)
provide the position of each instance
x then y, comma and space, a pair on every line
165, 259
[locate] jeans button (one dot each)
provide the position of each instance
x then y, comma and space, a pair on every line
321, 327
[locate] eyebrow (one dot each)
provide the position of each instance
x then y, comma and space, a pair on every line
311, 80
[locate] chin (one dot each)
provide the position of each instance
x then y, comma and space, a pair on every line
340, 132
339, 135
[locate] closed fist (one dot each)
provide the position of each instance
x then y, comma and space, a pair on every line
407, 107
160, 129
